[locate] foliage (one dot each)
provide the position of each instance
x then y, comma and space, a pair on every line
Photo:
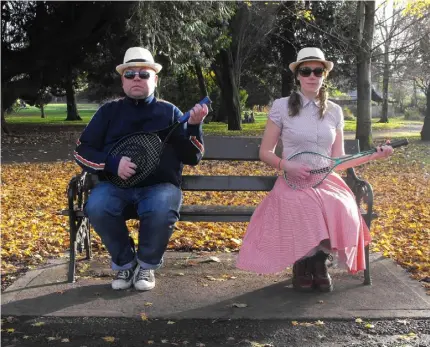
178, 33
347, 113
30, 60
243, 97
417, 8
16, 107
413, 114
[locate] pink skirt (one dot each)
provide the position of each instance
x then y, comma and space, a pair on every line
289, 223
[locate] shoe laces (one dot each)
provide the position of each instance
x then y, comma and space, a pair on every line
143, 274
123, 274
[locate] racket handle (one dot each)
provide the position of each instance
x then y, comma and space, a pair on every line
399, 143
187, 115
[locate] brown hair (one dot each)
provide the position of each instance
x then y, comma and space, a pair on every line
295, 101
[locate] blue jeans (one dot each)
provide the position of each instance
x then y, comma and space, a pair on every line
157, 207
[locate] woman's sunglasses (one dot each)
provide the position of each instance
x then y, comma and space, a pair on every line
306, 71
130, 74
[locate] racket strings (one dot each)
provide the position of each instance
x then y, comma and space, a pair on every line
144, 151
319, 165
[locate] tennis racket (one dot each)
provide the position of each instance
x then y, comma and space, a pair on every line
144, 149
321, 165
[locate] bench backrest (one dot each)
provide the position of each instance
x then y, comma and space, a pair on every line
239, 148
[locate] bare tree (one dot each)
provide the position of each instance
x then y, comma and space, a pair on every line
397, 37
365, 21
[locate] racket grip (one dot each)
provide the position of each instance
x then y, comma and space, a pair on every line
399, 143
206, 100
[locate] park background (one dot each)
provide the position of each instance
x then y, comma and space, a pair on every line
58, 66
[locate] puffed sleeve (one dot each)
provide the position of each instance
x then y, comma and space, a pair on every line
276, 112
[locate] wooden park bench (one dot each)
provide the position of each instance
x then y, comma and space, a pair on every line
216, 148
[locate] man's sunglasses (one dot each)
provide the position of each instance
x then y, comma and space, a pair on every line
306, 71
130, 74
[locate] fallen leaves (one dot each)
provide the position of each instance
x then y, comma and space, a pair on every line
32, 194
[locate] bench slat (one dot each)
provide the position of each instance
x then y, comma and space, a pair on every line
228, 183
197, 213
247, 148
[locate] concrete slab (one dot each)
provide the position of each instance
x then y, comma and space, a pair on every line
191, 286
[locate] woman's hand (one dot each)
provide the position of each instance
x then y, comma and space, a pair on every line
295, 170
382, 152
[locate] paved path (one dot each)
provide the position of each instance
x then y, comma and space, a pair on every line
195, 303
190, 287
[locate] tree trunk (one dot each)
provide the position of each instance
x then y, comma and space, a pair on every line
287, 81
72, 109
384, 116
6, 102
288, 56
4, 127
42, 111
364, 114
201, 79
230, 102
425, 132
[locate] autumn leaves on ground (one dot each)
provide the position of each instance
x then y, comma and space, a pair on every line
32, 194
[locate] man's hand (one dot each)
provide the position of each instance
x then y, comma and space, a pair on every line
126, 168
198, 113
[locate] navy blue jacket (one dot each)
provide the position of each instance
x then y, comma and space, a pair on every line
122, 117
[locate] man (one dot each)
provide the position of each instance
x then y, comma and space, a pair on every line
157, 201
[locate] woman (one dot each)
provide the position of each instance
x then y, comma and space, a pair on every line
302, 227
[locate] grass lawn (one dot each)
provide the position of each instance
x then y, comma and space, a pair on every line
56, 115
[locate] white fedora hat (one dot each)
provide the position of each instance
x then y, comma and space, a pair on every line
140, 57
311, 54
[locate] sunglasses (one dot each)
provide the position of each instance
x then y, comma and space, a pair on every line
306, 71
130, 74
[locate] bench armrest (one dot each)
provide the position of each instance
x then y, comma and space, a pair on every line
79, 188
363, 194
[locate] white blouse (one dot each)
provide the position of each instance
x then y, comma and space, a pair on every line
306, 131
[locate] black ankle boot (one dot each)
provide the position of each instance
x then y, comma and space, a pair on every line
302, 277
321, 277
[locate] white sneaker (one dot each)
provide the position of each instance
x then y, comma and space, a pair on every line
143, 279
123, 279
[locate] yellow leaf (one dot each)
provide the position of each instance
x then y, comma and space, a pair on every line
38, 324
10, 330
109, 338
143, 316
358, 320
